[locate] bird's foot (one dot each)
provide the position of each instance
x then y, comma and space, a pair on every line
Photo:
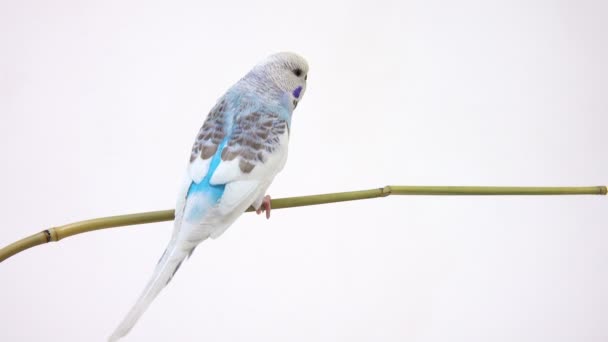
265, 207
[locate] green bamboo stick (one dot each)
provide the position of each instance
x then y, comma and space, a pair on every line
61, 232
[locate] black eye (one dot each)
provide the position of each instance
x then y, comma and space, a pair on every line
305, 77
297, 72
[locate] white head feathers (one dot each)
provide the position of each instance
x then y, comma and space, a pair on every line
287, 71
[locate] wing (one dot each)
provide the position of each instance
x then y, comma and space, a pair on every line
255, 152
247, 137
254, 147
205, 146
239, 149
209, 137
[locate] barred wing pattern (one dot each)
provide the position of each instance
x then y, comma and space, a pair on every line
211, 134
254, 137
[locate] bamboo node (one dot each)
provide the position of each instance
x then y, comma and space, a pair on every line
386, 191
53, 234
47, 235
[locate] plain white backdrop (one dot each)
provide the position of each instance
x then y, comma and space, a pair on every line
100, 102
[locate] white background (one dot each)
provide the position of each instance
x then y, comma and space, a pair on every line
100, 102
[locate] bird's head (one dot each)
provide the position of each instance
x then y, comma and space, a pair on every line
289, 72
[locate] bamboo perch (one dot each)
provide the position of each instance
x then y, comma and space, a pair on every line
61, 232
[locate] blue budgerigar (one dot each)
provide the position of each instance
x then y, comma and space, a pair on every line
237, 153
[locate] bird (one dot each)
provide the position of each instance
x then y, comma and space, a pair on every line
238, 151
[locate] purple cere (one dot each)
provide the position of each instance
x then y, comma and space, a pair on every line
296, 92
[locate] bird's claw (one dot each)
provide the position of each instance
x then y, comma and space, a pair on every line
265, 207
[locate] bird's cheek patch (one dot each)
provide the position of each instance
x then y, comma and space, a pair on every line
296, 92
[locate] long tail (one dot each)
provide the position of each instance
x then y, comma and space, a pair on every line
168, 264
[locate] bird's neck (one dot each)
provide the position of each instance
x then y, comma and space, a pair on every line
263, 92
